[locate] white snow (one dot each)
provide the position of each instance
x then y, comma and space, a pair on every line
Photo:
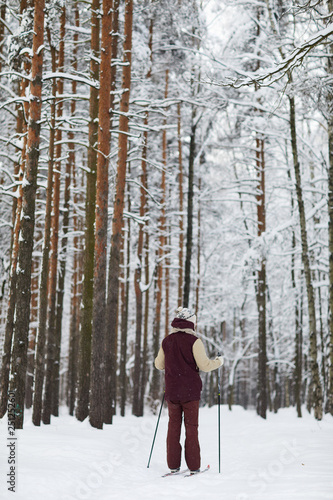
283, 457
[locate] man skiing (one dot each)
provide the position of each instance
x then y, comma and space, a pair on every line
182, 355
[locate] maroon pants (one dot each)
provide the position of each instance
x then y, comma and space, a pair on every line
192, 448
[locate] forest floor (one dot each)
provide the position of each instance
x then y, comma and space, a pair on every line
281, 457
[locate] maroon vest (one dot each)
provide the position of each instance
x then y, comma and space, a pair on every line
182, 379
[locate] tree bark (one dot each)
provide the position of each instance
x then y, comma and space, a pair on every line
329, 402
101, 224
315, 391
113, 282
189, 232
43, 287
160, 253
261, 283
181, 208
146, 327
82, 409
34, 309
2, 30
52, 342
19, 170
74, 321
124, 312
198, 281
137, 408
19, 363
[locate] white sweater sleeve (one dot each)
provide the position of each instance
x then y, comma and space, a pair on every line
160, 360
203, 362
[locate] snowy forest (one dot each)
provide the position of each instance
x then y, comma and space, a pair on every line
157, 154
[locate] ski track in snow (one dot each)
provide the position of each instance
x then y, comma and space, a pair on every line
282, 457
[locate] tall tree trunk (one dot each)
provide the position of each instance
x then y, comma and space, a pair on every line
64, 243
160, 253
261, 283
111, 343
75, 306
146, 327
7, 345
197, 287
43, 287
74, 321
329, 401
113, 282
19, 363
2, 30
190, 193
101, 224
137, 376
167, 264
164, 223
181, 208
114, 54
124, 312
315, 390
87, 290
298, 326
61, 292
33, 333
53, 263
19, 170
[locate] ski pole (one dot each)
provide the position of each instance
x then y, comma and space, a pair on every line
219, 415
158, 420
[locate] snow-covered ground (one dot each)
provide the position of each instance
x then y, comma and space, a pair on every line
281, 458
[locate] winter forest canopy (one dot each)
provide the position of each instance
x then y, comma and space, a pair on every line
158, 153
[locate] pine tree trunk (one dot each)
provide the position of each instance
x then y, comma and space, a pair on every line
7, 345
33, 333
329, 401
181, 208
113, 282
61, 292
114, 54
53, 263
2, 30
124, 312
298, 327
166, 260
190, 193
20, 346
64, 241
75, 307
160, 254
137, 408
261, 283
167, 264
16, 218
74, 321
43, 287
82, 409
197, 287
315, 390
101, 225
146, 327
77, 277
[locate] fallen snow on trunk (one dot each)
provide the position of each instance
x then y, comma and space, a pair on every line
283, 457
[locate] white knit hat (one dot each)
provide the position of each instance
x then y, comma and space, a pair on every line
184, 313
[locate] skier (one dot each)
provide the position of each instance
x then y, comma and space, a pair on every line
182, 355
